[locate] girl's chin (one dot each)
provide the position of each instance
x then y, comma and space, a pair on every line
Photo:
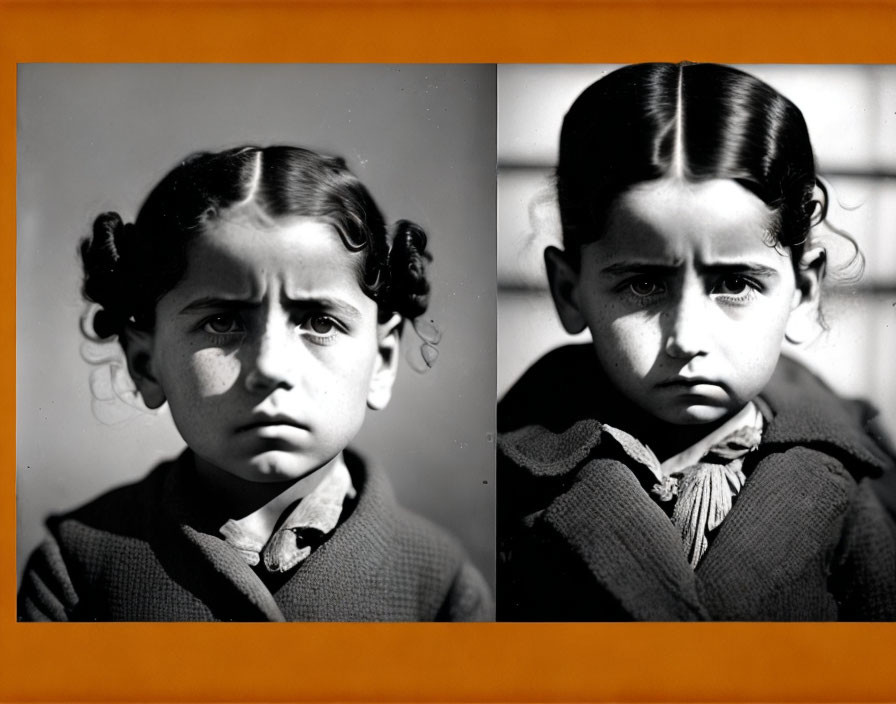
698, 414
274, 467
272, 471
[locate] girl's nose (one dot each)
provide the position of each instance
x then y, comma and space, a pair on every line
272, 364
687, 326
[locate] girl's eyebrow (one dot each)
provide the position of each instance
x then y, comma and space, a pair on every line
335, 305
314, 303
216, 303
753, 268
639, 268
621, 268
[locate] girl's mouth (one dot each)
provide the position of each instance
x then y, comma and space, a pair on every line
271, 422
698, 389
689, 382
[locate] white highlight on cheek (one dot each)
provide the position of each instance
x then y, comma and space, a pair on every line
215, 372
637, 340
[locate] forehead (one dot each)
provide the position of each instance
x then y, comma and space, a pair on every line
676, 220
242, 255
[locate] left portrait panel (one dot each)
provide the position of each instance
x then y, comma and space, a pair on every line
279, 402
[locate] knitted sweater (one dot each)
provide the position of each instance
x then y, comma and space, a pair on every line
581, 539
143, 553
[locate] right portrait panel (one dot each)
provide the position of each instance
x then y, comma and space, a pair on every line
696, 291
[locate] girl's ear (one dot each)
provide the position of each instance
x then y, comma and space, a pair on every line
563, 279
138, 350
803, 324
386, 365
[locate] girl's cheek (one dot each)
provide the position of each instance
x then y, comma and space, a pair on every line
214, 372
637, 342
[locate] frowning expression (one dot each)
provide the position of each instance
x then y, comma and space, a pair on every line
268, 351
686, 301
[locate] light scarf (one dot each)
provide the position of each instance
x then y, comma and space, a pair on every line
703, 479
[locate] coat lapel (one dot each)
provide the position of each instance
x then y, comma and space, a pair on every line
609, 522
344, 578
204, 564
627, 542
781, 521
228, 581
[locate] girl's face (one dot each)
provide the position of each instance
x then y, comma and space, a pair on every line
267, 351
686, 302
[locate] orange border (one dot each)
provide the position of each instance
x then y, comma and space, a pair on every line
646, 662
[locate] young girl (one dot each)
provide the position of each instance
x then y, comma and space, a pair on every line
259, 295
678, 467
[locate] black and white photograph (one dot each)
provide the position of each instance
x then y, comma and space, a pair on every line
696, 279
255, 342
494, 350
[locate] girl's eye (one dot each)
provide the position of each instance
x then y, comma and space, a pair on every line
733, 285
222, 325
320, 324
645, 287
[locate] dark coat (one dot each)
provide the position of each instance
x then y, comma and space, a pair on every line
580, 538
141, 553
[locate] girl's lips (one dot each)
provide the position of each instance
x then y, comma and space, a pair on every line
689, 382
696, 389
271, 422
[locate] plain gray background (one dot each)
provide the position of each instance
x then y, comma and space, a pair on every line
97, 137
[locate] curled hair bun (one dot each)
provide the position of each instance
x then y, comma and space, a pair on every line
104, 280
408, 261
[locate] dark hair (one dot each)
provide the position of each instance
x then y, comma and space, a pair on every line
644, 121
128, 267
